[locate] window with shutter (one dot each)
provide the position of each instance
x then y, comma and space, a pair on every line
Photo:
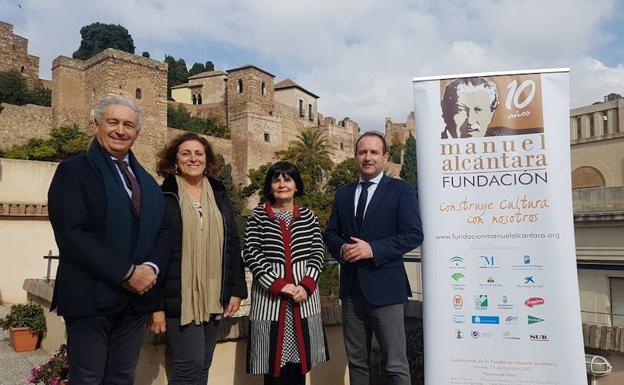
616, 285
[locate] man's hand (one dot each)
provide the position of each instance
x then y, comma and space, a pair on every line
300, 294
156, 322
142, 280
357, 251
232, 307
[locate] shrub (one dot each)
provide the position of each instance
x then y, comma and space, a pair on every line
64, 142
179, 117
329, 281
28, 315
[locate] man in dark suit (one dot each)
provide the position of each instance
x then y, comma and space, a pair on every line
108, 218
372, 225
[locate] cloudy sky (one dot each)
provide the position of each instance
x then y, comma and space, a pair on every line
359, 56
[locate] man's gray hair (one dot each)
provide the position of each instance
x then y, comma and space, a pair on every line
98, 110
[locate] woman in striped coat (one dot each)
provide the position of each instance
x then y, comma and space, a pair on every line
284, 251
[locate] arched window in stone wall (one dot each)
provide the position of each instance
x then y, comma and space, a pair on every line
23, 69
263, 88
138, 94
240, 86
587, 177
194, 99
199, 99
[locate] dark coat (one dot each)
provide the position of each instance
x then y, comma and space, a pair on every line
233, 273
77, 211
392, 228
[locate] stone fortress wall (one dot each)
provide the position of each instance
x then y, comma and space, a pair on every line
246, 99
20, 123
14, 55
263, 116
397, 133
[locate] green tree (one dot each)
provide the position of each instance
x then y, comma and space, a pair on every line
310, 153
64, 142
395, 152
344, 172
41, 96
409, 171
146, 54
179, 117
209, 66
197, 68
236, 198
96, 37
226, 178
68, 141
13, 88
256, 180
177, 73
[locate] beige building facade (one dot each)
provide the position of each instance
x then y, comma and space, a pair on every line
597, 152
25, 231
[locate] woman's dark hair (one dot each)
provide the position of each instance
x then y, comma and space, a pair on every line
167, 157
285, 169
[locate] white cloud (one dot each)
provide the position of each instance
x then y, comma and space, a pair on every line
358, 55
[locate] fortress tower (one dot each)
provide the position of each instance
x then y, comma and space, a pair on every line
14, 55
79, 84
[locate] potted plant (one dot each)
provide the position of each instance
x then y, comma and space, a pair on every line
26, 323
53, 372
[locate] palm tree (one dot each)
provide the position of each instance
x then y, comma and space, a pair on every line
310, 153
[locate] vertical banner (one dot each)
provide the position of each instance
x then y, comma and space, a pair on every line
501, 299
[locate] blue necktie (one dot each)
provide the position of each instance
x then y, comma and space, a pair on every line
361, 206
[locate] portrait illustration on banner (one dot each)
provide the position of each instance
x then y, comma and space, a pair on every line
475, 107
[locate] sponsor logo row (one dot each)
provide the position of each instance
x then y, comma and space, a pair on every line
458, 280
478, 319
482, 302
507, 335
526, 262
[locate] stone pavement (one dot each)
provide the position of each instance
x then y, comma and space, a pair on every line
15, 367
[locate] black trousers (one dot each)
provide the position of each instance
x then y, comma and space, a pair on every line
104, 350
190, 349
290, 374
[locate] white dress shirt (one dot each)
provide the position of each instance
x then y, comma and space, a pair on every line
371, 190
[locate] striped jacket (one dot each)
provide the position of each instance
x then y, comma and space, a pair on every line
278, 255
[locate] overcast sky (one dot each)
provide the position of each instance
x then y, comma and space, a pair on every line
359, 56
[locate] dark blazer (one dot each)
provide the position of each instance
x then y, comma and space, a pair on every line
392, 228
233, 274
77, 211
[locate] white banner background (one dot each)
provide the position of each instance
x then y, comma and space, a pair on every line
518, 279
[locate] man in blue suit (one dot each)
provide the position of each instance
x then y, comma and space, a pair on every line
373, 223
114, 241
